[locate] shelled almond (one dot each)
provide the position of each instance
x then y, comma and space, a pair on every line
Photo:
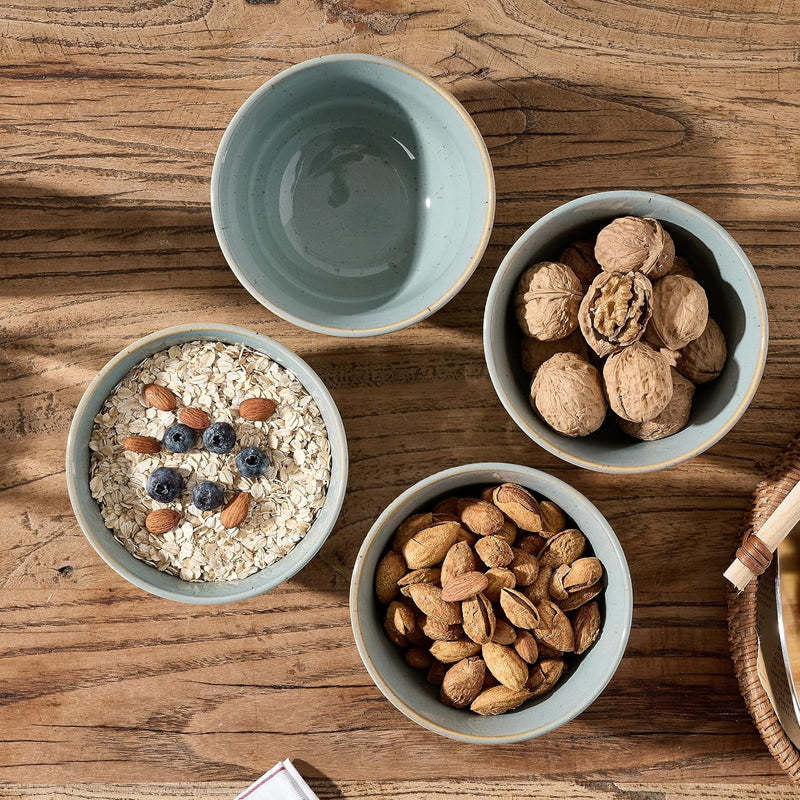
493, 596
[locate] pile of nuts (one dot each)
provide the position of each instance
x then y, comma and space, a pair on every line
645, 318
490, 596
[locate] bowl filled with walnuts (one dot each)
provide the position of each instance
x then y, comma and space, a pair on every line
625, 332
491, 603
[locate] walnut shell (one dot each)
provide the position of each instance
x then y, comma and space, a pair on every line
535, 352
615, 311
680, 311
566, 393
704, 358
638, 382
547, 299
579, 257
635, 243
672, 419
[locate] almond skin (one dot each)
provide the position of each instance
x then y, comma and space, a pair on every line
504, 663
234, 513
159, 397
141, 444
498, 700
257, 409
462, 587
195, 418
161, 520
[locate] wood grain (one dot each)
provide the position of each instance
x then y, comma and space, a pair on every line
110, 115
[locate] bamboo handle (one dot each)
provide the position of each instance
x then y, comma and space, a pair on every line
755, 554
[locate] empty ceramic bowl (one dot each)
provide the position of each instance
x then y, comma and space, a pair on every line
407, 688
139, 572
735, 301
352, 195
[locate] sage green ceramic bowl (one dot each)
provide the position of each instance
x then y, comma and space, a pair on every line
407, 688
735, 301
88, 513
352, 195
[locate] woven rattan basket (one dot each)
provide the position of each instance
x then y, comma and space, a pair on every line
780, 479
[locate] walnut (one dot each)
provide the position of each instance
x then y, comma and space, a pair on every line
579, 256
615, 311
547, 299
680, 310
671, 420
638, 382
535, 352
568, 396
681, 267
703, 359
635, 243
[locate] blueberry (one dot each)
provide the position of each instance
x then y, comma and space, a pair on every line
207, 496
164, 484
178, 438
252, 462
219, 437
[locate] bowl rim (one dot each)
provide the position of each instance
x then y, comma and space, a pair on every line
518, 417
308, 324
273, 349
540, 478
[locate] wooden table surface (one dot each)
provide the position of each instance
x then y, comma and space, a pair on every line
110, 115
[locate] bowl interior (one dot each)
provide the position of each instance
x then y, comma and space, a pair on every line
735, 300
351, 192
146, 576
408, 690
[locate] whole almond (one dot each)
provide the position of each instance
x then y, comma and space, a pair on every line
466, 536
583, 573
508, 532
532, 543
586, 625
430, 545
526, 647
418, 658
519, 505
557, 590
540, 588
194, 418
499, 578
391, 568
553, 519
159, 397
498, 700
504, 633
257, 409
489, 680
399, 619
438, 631
161, 520
439, 517
408, 527
462, 587
459, 559
519, 610
480, 517
424, 575
141, 444
479, 620
524, 566
463, 682
447, 506
450, 652
577, 599
428, 599
233, 515
494, 551
436, 673
544, 676
554, 627
563, 548
504, 663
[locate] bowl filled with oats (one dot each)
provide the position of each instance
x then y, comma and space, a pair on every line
206, 463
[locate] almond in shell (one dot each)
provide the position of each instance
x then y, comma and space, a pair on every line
554, 628
399, 620
436, 673
233, 515
499, 578
408, 527
462, 587
519, 505
524, 566
450, 652
504, 633
519, 610
583, 573
494, 551
161, 520
424, 575
257, 409
463, 682
145, 445
498, 700
504, 663
553, 519
557, 590
418, 658
544, 676
532, 543
480, 517
479, 619
159, 397
430, 545
579, 598
586, 625
459, 559
438, 631
428, 599
563, 548
540, 588
391, 568
447, 506
508, 532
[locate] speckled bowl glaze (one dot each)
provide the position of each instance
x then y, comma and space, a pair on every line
407, 688
352, 195
88, 513
735, 301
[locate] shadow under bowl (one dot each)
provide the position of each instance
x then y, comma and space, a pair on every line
142, 574
736, 302
352, 195
407, 688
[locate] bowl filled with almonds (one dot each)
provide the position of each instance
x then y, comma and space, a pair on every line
206, 463
625, 332
491, 603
